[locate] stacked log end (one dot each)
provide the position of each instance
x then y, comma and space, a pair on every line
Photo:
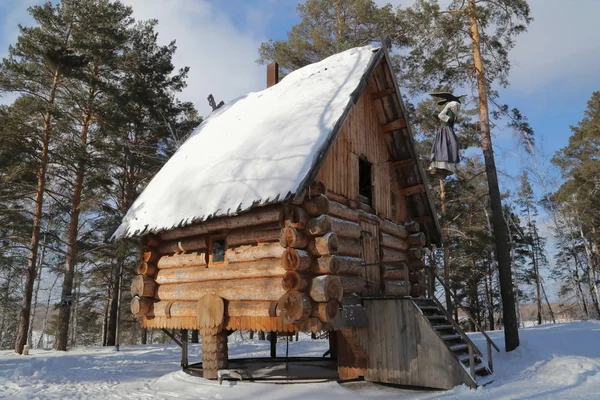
143, 286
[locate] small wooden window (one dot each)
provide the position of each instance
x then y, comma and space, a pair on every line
217, 249
365, 182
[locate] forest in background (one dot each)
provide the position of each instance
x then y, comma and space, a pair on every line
96, 115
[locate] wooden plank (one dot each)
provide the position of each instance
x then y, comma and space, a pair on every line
394, 125
383, 93
409, 191
404, 163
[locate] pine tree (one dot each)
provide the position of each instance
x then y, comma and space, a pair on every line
448, 47
328, 27
35, 67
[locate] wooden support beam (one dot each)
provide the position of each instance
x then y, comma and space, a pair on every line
404, 163
184, 348
394, 125
409, 191
383, 93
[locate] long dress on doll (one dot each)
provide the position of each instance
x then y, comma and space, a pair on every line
444, 152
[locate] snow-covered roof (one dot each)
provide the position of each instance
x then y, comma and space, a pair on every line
258, 149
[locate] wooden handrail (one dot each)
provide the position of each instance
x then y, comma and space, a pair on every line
457, 303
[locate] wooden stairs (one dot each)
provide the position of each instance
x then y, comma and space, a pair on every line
455, 339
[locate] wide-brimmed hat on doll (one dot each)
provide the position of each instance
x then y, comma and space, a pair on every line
447, 97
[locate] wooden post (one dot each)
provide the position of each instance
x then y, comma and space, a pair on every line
471, 361
489, 354
214, 352
184, 348
273, 343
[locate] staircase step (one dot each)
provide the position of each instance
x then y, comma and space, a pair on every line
442, 327
437, 317
485, 380
481, 367
432, 308
451, 337
460, 346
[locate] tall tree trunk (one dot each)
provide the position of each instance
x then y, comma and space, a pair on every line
111, 335
71, 257
548, 303
446, 250
45, 319
538, 285
37, 291
511, 329
37, 222
578, 288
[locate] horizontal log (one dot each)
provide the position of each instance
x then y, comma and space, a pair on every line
412, 226
293, 307
257, 216
250, 269
389, 255
325, 223
326, 312
339, 265
324, 245
396, 288
292, 237
352, 284
250, 308
349, 247
296, 260
398, 271
415, 254
253, 235
174, 309
252, 253
334, 197
294, 280
143, 286
341, 211
145, 268
393, 242
196, 259
316, 206
184, 244
239, 289
393, 229
141, 305
417, 240
325, 288
294, 216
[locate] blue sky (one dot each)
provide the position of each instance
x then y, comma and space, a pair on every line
555, 65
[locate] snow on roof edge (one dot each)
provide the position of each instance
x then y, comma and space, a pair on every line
128, 229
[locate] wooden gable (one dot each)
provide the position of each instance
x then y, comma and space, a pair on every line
377, 129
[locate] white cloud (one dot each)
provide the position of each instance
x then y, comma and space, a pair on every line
221, 57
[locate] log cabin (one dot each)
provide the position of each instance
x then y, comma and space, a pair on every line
303, 207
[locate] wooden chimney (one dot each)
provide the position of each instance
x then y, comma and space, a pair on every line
272, 74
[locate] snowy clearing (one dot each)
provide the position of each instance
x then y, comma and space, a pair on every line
559, 361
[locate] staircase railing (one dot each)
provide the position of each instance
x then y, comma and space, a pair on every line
472, 348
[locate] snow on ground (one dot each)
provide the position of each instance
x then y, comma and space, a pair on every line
559, 361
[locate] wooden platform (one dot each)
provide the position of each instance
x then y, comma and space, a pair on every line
278, 370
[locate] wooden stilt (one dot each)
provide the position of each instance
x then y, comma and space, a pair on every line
214, 353
184, 348
273, 342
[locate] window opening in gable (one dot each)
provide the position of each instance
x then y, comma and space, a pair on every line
365, 183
